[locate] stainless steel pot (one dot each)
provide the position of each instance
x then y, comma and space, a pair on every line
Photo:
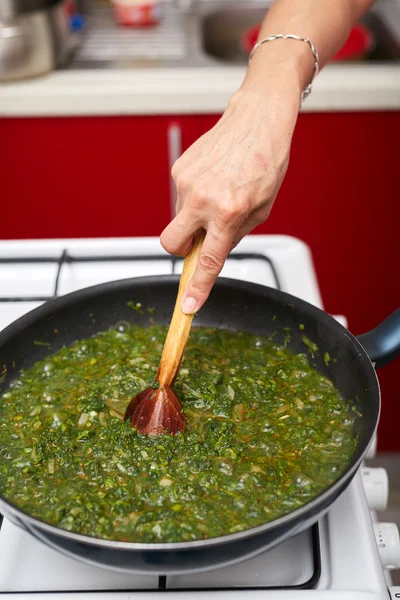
14, 8
35, 37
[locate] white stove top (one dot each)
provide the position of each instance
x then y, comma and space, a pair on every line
349, 561
350, 565
25, 277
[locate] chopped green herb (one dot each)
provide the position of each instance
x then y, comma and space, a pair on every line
313, 347
137, 306
265, 434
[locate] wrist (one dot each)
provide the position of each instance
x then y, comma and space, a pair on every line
282, 68
277, 91
272, 106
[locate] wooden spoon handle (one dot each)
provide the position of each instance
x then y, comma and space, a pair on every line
179, 328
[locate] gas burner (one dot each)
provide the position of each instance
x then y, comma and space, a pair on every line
345, 556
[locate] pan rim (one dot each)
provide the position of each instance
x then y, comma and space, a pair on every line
71, 298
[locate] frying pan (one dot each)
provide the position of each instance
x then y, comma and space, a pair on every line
232, 304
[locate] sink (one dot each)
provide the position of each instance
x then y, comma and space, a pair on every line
387, 36
222, 31
206, 34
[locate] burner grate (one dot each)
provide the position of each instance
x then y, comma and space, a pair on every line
67, 259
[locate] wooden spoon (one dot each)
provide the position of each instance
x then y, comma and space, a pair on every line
157, 409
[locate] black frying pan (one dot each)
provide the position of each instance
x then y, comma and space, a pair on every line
232, 305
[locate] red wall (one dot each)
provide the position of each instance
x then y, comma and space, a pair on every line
85, 177
342, 197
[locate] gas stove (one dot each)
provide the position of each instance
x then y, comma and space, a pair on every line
348, 554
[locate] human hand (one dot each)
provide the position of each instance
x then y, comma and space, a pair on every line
227, 182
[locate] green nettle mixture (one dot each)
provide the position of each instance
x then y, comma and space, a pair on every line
265, 433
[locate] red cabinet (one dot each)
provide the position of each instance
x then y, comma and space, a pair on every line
341, 195
83, 177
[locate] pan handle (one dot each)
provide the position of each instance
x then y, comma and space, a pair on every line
382, 344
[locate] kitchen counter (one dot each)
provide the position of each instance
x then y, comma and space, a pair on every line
166, 70
203, 90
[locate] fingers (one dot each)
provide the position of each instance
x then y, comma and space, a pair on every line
193, 210
178, 235
256, 218
218, 243
216, 248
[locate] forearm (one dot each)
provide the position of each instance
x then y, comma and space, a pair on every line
227, 181
327, 23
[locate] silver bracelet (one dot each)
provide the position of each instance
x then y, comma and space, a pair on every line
291, 36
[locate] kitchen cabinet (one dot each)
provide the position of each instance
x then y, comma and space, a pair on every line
84, 177
88, 177
341, 196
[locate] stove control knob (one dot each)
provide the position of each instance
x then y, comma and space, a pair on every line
387, 538
376, 486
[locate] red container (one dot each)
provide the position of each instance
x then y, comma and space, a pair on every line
358, 44
133, 13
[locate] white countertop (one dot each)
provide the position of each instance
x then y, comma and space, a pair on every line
203, 90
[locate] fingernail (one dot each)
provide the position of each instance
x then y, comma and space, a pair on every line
189, 305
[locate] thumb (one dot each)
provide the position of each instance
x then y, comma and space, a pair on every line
211, 260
